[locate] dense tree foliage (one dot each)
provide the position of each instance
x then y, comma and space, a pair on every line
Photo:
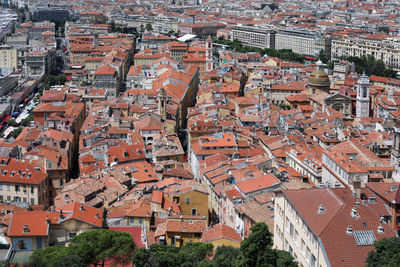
116, 27
94, 247
285, 54
386, 253
372, 66
225, 256
97, 246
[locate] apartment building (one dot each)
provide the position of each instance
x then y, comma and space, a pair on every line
387, 50
349, 162
307, 161
252, 36
40, 60
8, 57
301, 42
329, 227
22, 182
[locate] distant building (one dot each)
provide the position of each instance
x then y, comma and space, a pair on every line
301, 42
256, 37
8, 57
40, 61
51, 14
200, 29
386, 50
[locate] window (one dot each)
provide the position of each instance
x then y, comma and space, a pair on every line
32, 189
303, 247
17, 188
32, 201
173, 241
313, 261
1, 198
296, 238
140, 220
187, 200
8, 187
287, 224
71, 235
291, 230
194, 212
8, 198
131, 220
1, 187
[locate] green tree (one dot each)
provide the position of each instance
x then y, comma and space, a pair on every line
104, 219
225, 256
141, 257
99, 245
285, 259
54, 256
149, 27
386, 253
163, 256
27, 121
322, 56
12, 122
16, 132
194, 252
256, 250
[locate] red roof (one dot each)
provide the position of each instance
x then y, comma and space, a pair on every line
256, 184
221, 231
134, 231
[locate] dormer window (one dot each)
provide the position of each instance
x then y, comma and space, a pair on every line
126, 154
349, 230
321, 209
12, 173
372, 200
354, 212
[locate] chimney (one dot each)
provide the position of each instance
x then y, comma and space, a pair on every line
354, 212
380, 229
349, 230
321, 209
82, 208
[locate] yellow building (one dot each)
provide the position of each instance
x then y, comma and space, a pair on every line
179, 230
221, 235
192, 199
8, 57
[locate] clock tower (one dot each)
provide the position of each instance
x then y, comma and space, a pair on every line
362, 102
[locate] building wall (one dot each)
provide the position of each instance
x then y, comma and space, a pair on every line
8, 57
292, 234
254, 37
300, 42
25, 193
61, 233
184, 238
224, 242
383, 50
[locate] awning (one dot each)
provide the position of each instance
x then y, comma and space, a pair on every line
6, 118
